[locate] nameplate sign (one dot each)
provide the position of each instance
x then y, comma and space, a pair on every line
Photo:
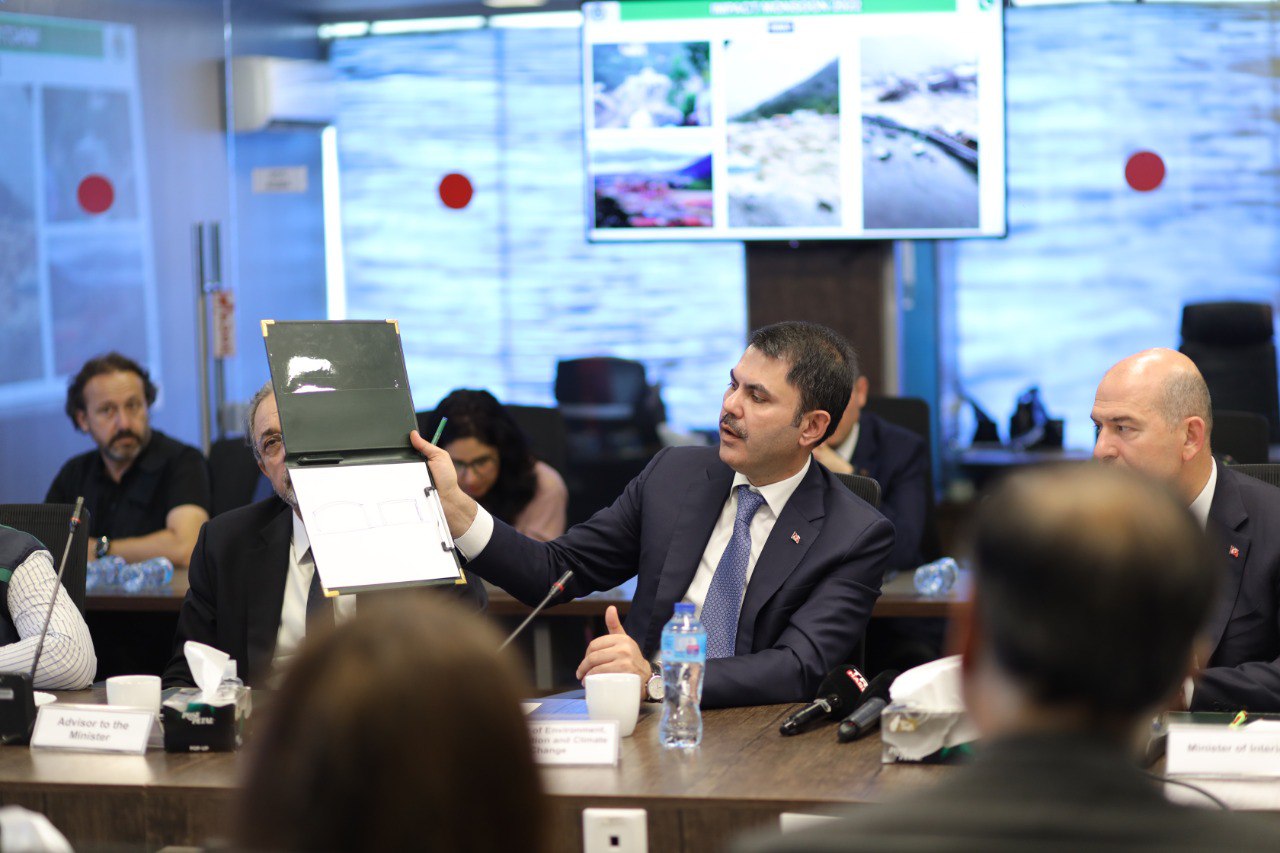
92, 728
573, 742
1198, 750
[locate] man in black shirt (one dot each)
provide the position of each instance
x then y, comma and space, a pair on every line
146, 493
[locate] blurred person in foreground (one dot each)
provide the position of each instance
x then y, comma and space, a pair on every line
1091, 591
399, 730
1153, 414
496, 467
147, 494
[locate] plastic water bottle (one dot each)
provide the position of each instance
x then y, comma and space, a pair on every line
684, 657
936, 578
148, 574
103, 573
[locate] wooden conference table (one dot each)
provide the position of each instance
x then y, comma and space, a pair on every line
744, 775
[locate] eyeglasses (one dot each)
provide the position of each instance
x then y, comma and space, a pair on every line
271, 446
476, 466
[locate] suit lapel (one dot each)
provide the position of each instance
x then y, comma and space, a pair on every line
698, 513
793, 534
268, 570
867, 450
1227, 518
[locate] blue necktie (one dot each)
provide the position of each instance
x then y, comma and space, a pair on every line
724, 596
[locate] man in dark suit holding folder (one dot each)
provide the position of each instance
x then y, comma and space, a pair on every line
783, 562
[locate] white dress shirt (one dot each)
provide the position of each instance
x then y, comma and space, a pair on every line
67, 661
775, 495
1200, 511
293, 614
845, 449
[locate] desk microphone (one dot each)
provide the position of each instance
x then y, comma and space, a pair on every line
866, 716
556, 589
840, 691
17, 696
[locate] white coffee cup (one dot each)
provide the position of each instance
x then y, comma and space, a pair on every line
614, 696
135, 691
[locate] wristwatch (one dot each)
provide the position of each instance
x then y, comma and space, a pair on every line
654, 689
102, 547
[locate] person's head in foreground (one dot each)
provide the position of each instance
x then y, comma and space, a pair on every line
1152, 413
399, 730
489, 451
1091, 587
785, 397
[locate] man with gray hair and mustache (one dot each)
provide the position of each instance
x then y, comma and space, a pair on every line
1152, 413
254, 589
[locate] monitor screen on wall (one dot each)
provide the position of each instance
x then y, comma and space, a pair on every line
794, 119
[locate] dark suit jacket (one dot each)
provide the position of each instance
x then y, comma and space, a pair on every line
1063, 793
1244, 669
237, 574
804, 609
898, 460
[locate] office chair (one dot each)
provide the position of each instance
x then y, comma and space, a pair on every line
864, 487
1267, 473
234, 478
1233, 345
610, 410
50, 523
913, 413
1239, 437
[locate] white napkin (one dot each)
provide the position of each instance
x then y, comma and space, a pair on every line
207, 666
935, 686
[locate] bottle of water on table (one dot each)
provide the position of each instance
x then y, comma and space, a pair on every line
684, 657
148, 574
936, 578
103, 573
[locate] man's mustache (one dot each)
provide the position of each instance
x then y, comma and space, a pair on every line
731, 424
126, 433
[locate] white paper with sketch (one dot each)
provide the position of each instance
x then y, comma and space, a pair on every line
373, 525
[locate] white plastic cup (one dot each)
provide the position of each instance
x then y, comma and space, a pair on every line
614, 696
135, 691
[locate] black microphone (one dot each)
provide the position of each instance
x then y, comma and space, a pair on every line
838, 692
17, 695
867, 713
556, 589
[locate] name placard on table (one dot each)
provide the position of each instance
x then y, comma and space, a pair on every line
93, 728
1246, 751
573, 742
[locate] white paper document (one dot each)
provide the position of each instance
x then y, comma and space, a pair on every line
374, 525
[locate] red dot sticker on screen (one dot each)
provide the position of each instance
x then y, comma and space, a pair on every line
95, 194
1144, 171
455, 191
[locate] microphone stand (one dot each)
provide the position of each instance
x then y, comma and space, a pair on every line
556, 589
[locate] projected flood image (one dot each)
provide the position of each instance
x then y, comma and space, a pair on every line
919, 133
783, 134
665, 185
651, 84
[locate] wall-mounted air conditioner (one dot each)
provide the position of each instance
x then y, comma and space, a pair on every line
271, 92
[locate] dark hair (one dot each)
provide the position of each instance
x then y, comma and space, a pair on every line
112, 362
479, 415
399, 730
1091, 586
823, 365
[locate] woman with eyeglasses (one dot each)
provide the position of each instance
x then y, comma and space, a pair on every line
496, 467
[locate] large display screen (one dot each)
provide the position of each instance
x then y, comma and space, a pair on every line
794, 119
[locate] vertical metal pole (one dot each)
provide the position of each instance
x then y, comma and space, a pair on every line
202, 335
219, 364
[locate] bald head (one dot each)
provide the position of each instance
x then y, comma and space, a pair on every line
1152, 413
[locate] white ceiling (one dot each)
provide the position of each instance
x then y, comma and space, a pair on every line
369, 10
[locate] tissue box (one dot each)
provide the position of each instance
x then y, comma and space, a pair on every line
909, 733
194, 725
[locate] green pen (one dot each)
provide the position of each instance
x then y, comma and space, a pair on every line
436, 438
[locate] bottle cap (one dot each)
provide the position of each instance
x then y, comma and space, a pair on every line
684, 608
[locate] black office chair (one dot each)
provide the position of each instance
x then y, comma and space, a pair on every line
234, 478
1239, 437
610, 410
1233, 345
1266, 473
913, 413
50, 523
864, 487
